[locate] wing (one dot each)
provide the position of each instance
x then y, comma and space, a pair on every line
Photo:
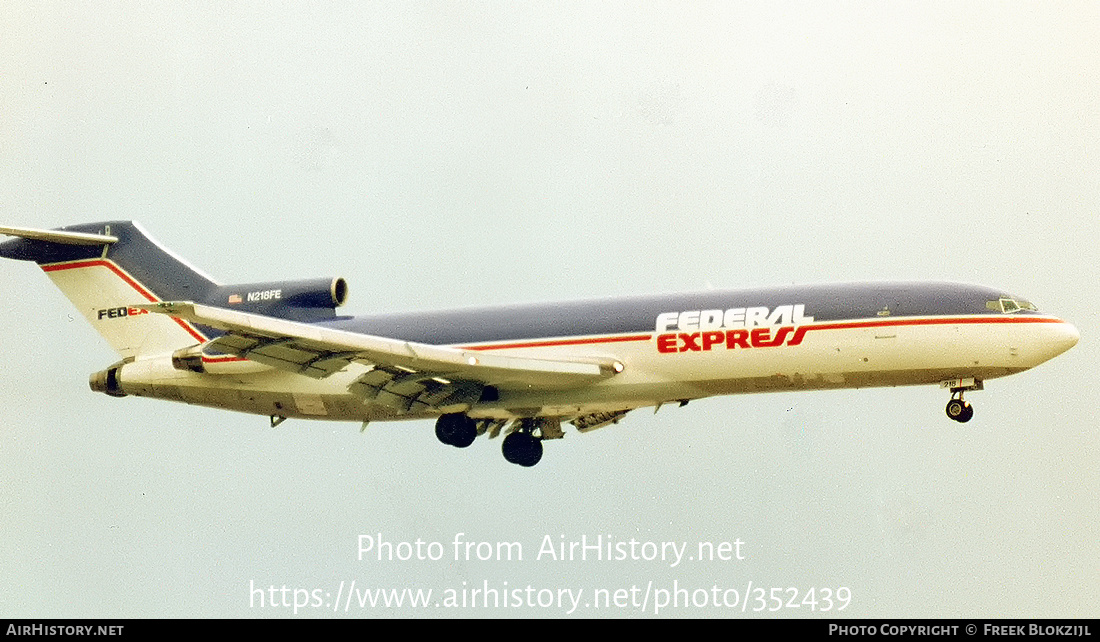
404, 375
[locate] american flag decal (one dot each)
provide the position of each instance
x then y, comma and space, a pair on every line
235, 298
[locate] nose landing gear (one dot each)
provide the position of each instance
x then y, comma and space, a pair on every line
958, 409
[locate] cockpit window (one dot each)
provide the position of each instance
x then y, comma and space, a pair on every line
1008, 305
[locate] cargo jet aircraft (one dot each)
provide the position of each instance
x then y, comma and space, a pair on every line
281, 350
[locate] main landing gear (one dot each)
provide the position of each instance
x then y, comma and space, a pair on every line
958, 409
520, 447
456, 430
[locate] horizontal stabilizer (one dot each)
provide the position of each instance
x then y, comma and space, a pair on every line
56, 236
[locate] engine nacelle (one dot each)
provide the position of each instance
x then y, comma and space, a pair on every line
307, 300
107, 381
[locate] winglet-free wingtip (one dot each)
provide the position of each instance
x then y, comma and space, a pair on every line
59, 236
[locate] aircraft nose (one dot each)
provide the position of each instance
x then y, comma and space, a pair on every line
1062, 337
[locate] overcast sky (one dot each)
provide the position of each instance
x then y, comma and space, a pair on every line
445, 154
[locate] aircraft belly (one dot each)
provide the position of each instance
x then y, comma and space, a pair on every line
267, 393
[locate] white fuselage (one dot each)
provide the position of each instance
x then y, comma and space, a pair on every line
662, 366
280, 348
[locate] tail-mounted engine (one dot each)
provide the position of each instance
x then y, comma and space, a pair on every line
107, 381
308, 300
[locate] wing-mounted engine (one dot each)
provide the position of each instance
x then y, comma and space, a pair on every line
308, 300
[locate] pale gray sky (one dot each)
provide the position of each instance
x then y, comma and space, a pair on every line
443, 154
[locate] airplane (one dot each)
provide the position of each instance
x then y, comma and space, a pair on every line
280, 349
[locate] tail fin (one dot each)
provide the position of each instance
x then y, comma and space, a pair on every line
105, 268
